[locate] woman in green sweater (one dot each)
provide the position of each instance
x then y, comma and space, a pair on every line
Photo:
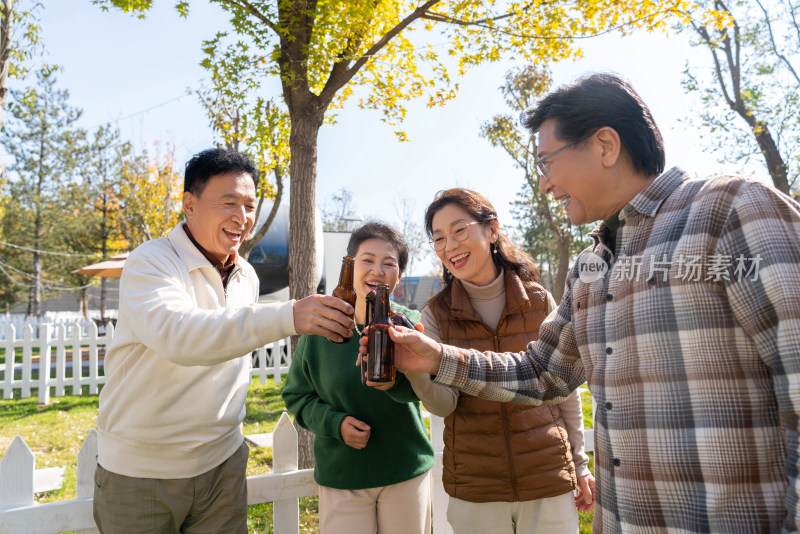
372, 451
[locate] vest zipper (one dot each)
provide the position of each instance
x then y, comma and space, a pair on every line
507, 431
512, 473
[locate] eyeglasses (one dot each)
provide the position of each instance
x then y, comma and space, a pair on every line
542, 164
459, 232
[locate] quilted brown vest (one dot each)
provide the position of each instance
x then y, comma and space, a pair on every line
500, 451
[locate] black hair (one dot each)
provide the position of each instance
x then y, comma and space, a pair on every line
509, 256
599, 100
377, 230
212, 162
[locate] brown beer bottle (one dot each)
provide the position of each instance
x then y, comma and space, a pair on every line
370, 307
370, 314
345, 289
380, 348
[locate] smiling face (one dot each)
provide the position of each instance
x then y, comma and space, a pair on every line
376, 262
470, 259
574, 176
221, 216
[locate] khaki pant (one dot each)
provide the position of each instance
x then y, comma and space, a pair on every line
214, 502
403, 508
551, 515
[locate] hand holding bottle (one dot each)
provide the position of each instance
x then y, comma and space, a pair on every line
362, 361
345, 290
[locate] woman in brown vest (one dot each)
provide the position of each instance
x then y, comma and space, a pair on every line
507, 467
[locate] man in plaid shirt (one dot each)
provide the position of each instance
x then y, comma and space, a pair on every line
684, 318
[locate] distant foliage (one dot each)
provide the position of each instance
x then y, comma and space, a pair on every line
151, 189
749, 99
548, 235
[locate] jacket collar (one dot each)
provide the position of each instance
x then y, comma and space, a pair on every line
648, 201
189, 254
516, 298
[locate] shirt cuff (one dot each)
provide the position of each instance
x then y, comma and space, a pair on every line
582, 470
454, 367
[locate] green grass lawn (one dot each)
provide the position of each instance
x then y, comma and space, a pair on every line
55, 433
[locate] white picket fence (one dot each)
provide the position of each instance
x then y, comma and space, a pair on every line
62, 347
67, 319
19, 513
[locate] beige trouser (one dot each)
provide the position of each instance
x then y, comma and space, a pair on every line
403, 508
214, 502
552, 515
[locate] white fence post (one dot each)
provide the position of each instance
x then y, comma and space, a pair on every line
44, 363
77, 360
262, 364
61, 359
16, 476
8, 379
439, 497
71, 339
285, 458
283, 487
87, 462
27, 361
276, 361
93, 365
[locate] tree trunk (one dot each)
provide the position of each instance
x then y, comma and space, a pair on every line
84, 305
104, 234
302, 246
5, 51
775, 165
730, 47
36, 310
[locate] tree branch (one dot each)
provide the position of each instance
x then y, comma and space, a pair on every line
734, 64
5, 48
438, 17
340, 67
794, 21
772, 40
253, 238
334, 84
573, 37
701, 30
244, 5
299, 20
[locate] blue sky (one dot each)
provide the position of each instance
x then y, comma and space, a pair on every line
136, 72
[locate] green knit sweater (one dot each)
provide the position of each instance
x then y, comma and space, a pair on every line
324, 386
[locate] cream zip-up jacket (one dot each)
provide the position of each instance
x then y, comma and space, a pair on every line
178, 367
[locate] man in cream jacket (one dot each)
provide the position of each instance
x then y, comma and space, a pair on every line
171, 454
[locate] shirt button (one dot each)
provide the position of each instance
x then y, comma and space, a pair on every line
609, 297
616, 462
608, 405
609, 350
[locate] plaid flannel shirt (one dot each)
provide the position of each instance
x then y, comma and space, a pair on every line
690, 342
